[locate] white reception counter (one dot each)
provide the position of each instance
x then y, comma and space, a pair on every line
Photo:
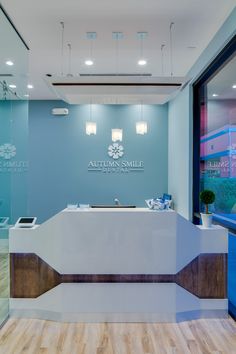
115, 245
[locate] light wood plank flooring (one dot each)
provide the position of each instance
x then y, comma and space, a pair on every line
28, 336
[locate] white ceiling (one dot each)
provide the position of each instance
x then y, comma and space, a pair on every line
195, 23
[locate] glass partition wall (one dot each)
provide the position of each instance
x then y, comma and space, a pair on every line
13, 143
214, 137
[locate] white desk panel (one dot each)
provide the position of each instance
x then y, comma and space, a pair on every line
117, 241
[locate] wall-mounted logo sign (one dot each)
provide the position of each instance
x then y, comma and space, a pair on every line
7, 151
116, 151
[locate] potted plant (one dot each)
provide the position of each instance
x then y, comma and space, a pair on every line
207, 197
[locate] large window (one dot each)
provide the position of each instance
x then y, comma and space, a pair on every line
215, 135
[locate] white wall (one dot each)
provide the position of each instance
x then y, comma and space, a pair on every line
180, 124
179, 156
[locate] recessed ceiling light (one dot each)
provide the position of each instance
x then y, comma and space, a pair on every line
30, 86
9, 62
234, 86
89, 62
142, 62
215, 95
12, 86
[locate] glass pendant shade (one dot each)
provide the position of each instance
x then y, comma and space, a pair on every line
91, 128
116, 135
141, 127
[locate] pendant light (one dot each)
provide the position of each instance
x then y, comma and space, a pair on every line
91, 36
141, 36
117, 133
91, 127
117, 36
141, 126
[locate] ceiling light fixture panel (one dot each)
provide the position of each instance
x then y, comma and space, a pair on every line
142, 35
117, 35
91, 35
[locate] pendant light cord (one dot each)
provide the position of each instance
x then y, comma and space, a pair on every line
162, 59
171, 50
141, 48
62, 46
141, 110
69, 61
117, 55
91, 49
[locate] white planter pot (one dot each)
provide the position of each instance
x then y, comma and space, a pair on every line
206, 220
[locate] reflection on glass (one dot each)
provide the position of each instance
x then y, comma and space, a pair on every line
218, 139
13, 144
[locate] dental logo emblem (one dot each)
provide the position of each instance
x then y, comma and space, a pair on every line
115, 151
7, 151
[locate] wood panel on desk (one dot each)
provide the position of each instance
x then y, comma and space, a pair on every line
117, 278
31, 276
205, 276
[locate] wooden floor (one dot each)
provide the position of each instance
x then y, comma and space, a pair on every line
37, 336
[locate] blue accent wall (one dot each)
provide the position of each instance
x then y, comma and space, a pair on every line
13, 170
60, 152
5, 177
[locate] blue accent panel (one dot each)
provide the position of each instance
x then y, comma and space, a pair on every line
60, 152
13, 171
229, 220
222, 132
219, 154
232, 275
5, 178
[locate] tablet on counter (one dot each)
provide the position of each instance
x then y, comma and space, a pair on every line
26, 222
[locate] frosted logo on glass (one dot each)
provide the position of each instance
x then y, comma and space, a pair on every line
7, 151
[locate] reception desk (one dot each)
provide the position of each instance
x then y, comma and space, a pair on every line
118, 253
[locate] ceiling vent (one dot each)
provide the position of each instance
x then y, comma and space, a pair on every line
60, 111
